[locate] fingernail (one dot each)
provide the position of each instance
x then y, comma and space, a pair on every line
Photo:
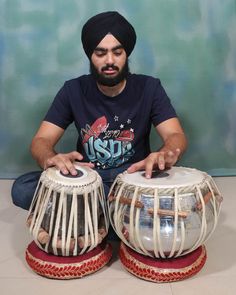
148, 176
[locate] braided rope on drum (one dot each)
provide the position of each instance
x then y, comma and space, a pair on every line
164, 191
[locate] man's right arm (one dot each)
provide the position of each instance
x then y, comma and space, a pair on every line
44, 141
43, 149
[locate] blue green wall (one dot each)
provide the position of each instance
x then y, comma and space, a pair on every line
190, 45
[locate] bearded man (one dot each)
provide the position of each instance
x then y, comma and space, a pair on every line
113, 111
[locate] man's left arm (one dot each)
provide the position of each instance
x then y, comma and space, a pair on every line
174, 145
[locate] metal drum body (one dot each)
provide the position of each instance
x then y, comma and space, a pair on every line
167, 216
68, 215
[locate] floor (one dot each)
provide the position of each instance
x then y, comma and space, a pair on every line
217, 277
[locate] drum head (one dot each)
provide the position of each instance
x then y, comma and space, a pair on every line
85, 176
173, 177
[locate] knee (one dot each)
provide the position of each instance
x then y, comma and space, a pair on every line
17, 196
23, 189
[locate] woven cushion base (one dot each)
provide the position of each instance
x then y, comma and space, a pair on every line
162, 270
64, 268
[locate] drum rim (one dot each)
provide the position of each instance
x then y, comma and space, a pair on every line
54, 175
127, 178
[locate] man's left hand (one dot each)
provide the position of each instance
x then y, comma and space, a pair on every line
156, 160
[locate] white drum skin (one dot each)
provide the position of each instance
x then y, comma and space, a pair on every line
166, 216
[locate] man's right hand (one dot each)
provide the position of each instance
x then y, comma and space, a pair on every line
65, 162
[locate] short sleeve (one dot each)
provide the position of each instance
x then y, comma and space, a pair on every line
60, 112
162, 109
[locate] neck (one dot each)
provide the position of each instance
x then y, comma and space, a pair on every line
112, 90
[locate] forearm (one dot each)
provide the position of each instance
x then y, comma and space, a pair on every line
42, 149
173, 142
174, 145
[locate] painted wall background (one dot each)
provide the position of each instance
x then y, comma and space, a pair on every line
190, 45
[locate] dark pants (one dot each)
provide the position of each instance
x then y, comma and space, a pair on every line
25, 185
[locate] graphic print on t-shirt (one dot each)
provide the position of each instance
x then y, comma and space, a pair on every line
106, 147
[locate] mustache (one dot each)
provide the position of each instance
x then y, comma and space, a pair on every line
109, 67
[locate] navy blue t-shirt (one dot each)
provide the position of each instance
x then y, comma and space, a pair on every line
111, 130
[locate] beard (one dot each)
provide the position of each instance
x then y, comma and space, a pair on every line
106, 80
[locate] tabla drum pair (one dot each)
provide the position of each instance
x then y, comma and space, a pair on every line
68, 220
163, 222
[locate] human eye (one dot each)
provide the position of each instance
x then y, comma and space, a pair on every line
99, 52
118, 52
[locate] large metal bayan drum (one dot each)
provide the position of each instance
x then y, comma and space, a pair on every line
169, 216
68, 219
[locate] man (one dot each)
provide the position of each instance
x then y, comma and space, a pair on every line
113, 111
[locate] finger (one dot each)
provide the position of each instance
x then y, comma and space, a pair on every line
151, 162
54, 161
48, 163
62, 167
169, 157
70, 167
75, 156
64, 164
161, 161
87, 164
170, 154
172, 157
72, 156
136, 167
177, 152
149, 168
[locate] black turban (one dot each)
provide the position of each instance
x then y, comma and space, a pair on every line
97, 27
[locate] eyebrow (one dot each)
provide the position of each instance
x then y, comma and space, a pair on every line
105, 50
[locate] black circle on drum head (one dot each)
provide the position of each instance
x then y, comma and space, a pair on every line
158, 174
78, 175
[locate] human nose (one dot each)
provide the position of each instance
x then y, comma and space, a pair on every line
109, 58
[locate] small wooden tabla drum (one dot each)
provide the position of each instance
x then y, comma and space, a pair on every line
164, 221
68, 220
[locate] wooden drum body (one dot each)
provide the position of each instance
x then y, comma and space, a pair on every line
165, 217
